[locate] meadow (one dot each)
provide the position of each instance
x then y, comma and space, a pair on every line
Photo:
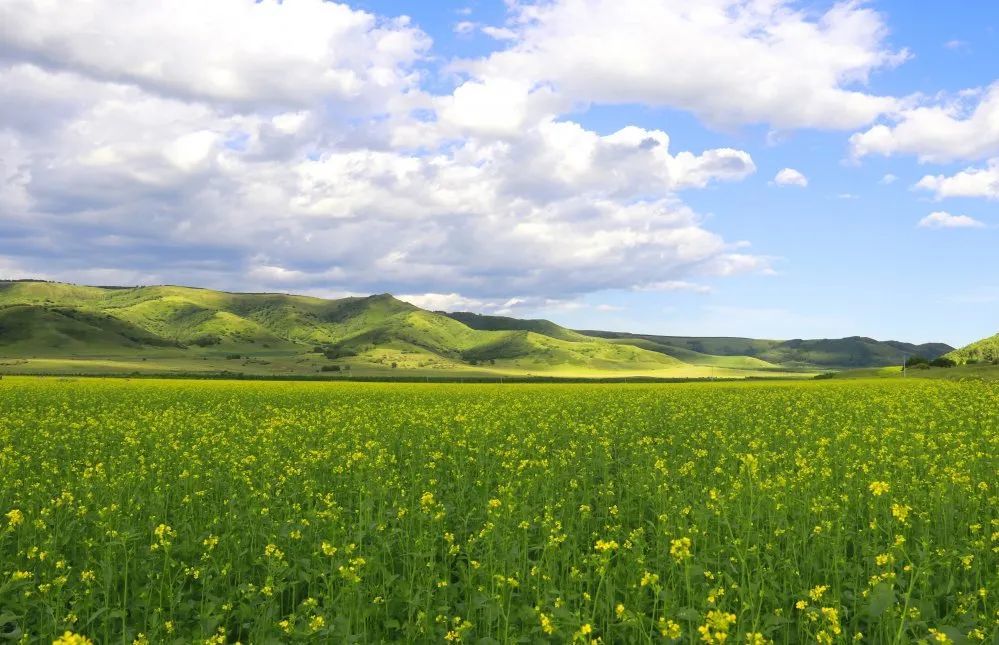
149, 511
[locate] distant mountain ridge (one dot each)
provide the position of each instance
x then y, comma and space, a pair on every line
854, 351
281, 332
850, 352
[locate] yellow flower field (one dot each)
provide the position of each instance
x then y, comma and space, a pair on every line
219, 512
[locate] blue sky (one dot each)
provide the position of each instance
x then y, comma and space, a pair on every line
608, 165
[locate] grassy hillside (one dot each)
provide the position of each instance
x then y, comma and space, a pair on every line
696, 358
172, 328
505, 323
48, 330
852, 352
983, 351
978, 371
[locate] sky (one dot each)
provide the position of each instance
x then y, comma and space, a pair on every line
763, 168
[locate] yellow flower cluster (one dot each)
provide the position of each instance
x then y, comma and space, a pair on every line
14, 517
715, 629
69, 638
679, 549
879, 488
597, 513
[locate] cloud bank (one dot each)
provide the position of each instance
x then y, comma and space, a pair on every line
291, 145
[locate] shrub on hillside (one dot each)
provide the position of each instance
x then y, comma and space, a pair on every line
339, 352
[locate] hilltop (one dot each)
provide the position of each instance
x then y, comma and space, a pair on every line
55, 326
982, 351
58, 327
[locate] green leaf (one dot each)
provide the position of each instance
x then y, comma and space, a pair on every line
881, 598
955, 634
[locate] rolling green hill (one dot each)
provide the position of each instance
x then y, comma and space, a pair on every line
505, 323
983, 351
732, 352
48, 326
852, 352
188, 329
58, 330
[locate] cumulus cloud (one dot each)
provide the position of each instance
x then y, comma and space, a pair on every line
444, 301
965, 126
790, 177
140, 147
499, 108
246, 54
943, 219
971, 182
728, 61
499, 33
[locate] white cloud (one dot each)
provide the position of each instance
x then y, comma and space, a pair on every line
728, 61
557, 210
736, 263
465, 27
963, 127
139, 167
246, 54
888, 179
971, 182
444, 302
495, 306
12, 270
499, 33
790, 177
943, 219
15, 175
498, 108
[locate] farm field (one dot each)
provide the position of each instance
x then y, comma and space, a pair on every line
295, 366
960, 372
156, 511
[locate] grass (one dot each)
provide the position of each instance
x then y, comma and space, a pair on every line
215, 511
377, 363
58, 328
961, 372
180, 329
985, 350
698, 358
832, 353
